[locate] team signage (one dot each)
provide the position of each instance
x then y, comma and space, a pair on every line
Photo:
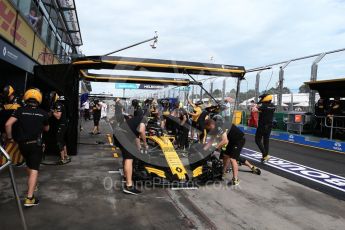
153, 87
126, 86
318, 176
138, 86
13, 56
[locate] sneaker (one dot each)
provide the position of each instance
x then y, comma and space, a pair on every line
256, 170
265, 159
63, 161
31, 202
131, 190
234, 182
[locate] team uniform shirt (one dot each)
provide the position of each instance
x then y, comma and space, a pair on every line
234, 134
6, 112
182, 113
127, 135
197, 111
96, 112
63, 119
31, 122
266, 114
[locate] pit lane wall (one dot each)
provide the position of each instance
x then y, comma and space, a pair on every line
332, 145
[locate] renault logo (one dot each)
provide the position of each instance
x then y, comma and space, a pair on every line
4, 51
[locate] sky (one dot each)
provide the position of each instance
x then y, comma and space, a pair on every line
249, 33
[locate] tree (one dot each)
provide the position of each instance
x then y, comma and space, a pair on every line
273, 90
304, 89
217, 93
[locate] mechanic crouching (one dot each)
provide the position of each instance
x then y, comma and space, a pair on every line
229, 141
32, 121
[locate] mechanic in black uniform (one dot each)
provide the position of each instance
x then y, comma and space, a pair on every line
154, 112
60, 124
229, 141
263, 132
10, 104
119, 117
165, 124
96, 112
336, 115
200, 125
128, 138
183, 130
32, 121
138, 111
321, 109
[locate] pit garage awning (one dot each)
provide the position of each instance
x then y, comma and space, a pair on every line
158, 65
329, 88
136, 79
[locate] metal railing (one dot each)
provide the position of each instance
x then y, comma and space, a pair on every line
9, 165
331, 126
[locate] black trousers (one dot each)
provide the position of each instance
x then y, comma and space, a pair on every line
262, 138
183, 141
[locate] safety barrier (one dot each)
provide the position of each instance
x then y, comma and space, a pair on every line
302, 140
8, 164
331, 126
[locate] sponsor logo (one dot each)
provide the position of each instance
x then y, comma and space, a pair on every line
337, 146
153, 86
9, 54
292, 138
309, 173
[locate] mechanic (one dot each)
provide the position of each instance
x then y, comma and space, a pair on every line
266, 114
205, 115
10, 104
321, 110
154, 112
96, 112
183, 129
229, 141
32, 121
336, 115
119, 117
86, 110
165, 114
137, 108
134, 130
60, 124
197, 110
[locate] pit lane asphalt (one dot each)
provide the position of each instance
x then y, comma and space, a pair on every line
77, 196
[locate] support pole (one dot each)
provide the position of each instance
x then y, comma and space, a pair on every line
313, 77
281, 86
201, 96
16, 194
238, 88
257, 86
14, 185
224, 89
